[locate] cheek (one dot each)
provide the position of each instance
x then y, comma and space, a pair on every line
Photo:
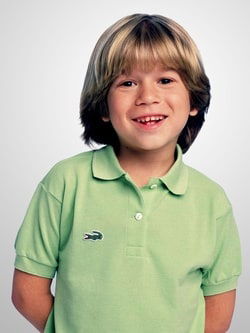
118, 105
180, 101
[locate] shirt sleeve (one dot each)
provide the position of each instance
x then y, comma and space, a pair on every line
226, 267
37, 241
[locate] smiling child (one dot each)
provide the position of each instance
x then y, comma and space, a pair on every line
139, 241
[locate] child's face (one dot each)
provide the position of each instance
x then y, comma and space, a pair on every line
141, 94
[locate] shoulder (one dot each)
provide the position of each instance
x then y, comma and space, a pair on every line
66, 172
208, 189
71, 163
199, 179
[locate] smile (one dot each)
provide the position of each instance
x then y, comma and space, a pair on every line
151, 122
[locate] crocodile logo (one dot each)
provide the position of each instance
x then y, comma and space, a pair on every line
95, 235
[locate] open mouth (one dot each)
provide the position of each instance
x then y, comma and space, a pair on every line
150, 120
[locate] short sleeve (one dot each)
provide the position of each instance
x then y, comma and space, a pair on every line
226, 267
37, 241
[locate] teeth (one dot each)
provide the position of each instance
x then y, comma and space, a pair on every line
153, 118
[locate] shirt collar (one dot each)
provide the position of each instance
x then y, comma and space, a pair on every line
105, 165
176, 179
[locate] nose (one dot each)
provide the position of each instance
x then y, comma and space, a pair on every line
147, 94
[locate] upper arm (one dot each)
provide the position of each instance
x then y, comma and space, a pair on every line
26, 286
219, 311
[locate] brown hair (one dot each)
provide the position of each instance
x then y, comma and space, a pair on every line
144, 40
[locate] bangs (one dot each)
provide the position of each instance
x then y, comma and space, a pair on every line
145, 56
147, 44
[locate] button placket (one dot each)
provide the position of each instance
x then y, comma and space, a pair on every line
136, 224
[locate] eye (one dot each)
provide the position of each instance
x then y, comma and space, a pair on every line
166, 81
127, 83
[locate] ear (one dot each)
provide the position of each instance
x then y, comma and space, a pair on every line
193, 112
106, 119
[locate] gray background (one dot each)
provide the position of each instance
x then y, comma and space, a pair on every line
45, 48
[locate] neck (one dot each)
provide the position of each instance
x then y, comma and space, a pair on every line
142, 165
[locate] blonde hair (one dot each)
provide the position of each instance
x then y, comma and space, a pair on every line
141, 40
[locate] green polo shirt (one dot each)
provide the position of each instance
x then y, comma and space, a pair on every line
128, 259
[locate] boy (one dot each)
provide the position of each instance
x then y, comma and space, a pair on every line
140, 241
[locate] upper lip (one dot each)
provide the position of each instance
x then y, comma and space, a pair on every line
150, 115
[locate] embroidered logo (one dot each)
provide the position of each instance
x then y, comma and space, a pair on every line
95, 235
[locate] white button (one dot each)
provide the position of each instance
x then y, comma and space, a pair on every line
153, 186
138, 216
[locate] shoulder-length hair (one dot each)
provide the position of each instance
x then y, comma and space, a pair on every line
143, 40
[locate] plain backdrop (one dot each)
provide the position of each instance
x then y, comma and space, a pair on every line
45, 49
